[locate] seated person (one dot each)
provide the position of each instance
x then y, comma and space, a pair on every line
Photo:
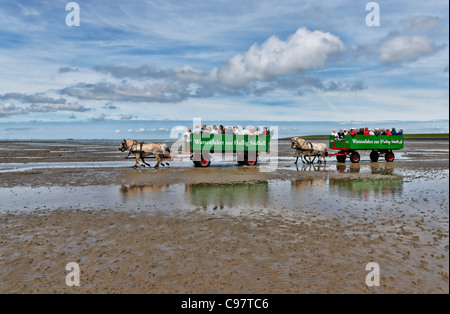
360, 131
366, 131
264, 131
400, 132
214, 130
197, 130
388, 132
393, 131
341, 134
352, 132
336, 136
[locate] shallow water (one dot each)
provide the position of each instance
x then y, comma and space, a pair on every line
285, 197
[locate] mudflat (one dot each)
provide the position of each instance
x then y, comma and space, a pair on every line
222, 229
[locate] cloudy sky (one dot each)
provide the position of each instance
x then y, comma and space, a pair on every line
223, 59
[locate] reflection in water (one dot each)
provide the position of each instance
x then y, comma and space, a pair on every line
364, 189
129, 192
271, 195
311, 167
378, 169
301, 184
343, 168
228, 195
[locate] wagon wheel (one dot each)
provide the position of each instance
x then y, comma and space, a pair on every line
355, 157
251, 160
374, 155
341, 158
389, 156
203, 162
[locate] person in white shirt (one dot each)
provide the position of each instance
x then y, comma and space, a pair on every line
214, 130
197, 130
187, 139
335, 134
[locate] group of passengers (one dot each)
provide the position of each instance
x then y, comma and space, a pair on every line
228, 130
365, 131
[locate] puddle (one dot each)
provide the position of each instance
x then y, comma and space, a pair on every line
288, 198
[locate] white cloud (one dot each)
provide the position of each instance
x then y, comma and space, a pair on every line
304, 50
99, 117
422, 24
9, 109
400, 48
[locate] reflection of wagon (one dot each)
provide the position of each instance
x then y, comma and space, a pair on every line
381, 145
246, 148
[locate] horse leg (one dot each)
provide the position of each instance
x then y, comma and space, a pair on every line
137, 162
163, 163
159, 161
142, 158
309, 158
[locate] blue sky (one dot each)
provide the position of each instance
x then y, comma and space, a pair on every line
231, 60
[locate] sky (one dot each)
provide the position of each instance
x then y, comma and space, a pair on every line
285, 60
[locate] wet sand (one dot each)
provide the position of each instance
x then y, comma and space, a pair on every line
222, 229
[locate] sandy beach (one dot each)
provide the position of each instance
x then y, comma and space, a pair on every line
222, 229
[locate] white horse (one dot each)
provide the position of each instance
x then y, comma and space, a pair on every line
304, 147
141, 150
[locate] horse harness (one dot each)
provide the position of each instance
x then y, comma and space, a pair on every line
310, 144
140, 151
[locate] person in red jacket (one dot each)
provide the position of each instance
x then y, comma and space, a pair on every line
388, 132
353, 132
366, 131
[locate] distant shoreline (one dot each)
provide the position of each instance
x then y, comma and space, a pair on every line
415, 137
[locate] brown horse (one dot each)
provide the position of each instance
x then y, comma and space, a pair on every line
141, 150
304, 147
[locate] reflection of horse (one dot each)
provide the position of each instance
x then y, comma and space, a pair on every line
304, 147
311, 167
141, 150
300, 184
142, 189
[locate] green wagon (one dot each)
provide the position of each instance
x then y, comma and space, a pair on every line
246, 148
381, 145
